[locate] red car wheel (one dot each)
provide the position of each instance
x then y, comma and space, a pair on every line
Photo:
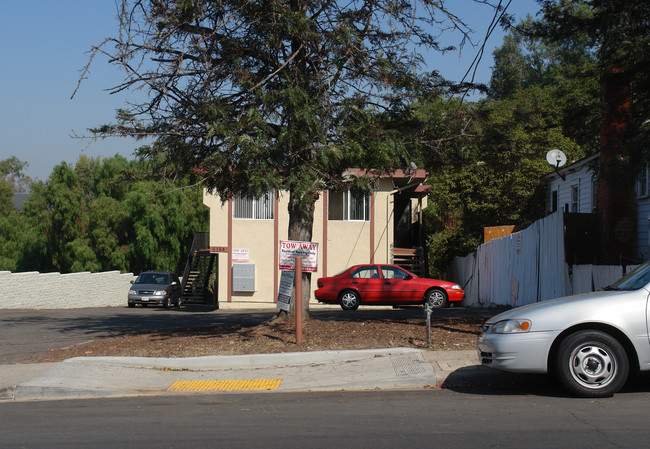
349, 300
436, 298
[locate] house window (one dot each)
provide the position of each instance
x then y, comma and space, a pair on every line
260, 208
594, 195
642, 183
348, 205
574, 199
554, 201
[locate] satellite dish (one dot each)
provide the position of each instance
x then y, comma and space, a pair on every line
556, 158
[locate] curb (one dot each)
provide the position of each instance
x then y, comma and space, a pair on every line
389, 368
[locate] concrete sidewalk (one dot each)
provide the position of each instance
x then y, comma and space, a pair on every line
300, 371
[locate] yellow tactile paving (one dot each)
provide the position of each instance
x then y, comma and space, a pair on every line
225, 385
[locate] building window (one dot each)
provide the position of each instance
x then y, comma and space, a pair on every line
574, 199
348, 205
260, 208
554, 201
594, 195
642, 183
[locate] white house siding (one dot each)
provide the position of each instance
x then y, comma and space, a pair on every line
582, 177
581, 174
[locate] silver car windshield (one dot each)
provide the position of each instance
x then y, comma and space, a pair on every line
634, 280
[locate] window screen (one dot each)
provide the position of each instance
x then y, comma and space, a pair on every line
261, 208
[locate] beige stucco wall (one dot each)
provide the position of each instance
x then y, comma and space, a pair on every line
348, 241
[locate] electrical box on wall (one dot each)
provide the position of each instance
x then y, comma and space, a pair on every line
243, 277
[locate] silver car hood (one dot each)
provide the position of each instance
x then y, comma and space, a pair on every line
613, 307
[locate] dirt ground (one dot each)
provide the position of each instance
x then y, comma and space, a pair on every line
451, 329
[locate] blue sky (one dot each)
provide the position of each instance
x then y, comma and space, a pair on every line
43, 49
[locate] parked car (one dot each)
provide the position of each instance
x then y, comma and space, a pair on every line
590, 342
385, 285
155, 287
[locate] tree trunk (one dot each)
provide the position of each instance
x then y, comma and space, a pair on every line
616, 201
301, 221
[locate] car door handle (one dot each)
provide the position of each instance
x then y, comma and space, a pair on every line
355, 282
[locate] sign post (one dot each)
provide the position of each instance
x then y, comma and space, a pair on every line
427, 311
296, 257
298, 304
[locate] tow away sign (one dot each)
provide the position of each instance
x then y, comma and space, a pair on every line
290, 249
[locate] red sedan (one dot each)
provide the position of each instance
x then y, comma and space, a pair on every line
385, 285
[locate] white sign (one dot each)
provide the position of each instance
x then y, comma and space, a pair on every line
285, 290
240, 255
290, 249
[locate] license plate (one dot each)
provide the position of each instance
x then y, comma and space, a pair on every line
145, 298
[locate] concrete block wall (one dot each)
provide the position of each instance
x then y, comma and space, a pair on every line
33, 290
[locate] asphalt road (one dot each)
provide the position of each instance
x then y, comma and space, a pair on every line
375, 419
28, 332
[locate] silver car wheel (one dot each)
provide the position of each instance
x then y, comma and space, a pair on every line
593, 366
592, 363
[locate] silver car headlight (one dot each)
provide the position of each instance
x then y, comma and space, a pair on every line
511, 327
160, 293
132, 292
455, 287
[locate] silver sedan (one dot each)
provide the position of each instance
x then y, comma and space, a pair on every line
590, 342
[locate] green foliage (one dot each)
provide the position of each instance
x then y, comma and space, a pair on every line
6, 197
12, 173
12, 180
289, 95
487, 159
102, 215
274, 94
617, 33
12, 238
616, 29
13, 232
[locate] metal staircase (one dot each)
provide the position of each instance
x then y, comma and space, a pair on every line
200, 266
